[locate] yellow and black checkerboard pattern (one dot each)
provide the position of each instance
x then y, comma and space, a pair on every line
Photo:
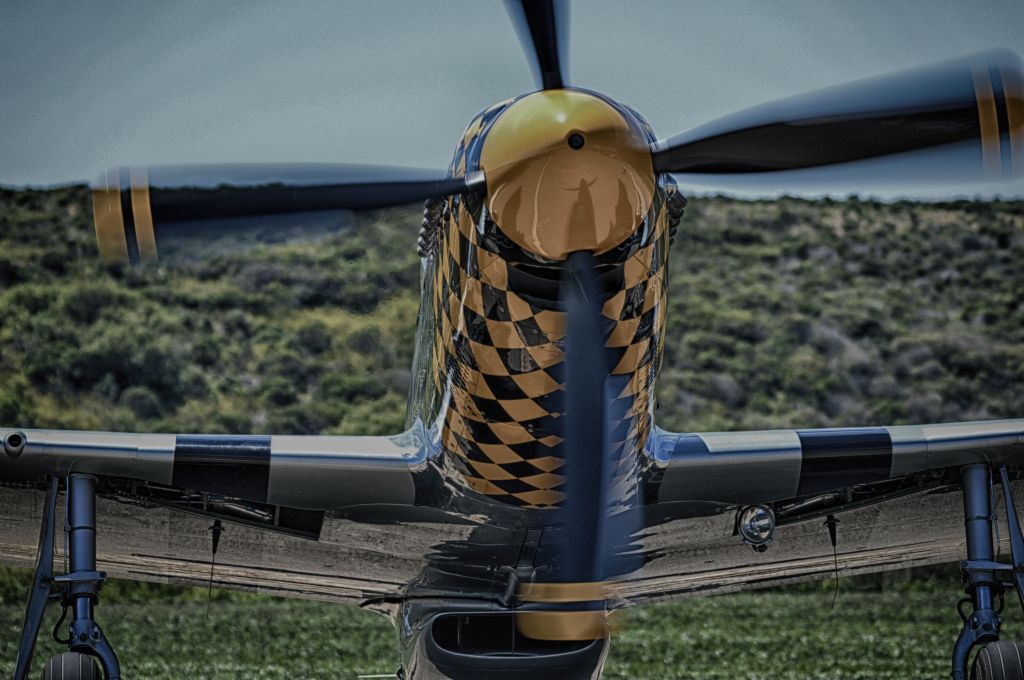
499, 352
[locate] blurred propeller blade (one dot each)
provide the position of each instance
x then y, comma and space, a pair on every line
976, 102
543, 27
587, 461
596, 521
139, 210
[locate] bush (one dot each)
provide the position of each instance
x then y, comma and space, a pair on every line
141, 401
84, 303
280, 391
349, 388
313, 338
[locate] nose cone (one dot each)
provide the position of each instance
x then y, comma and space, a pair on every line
566, 172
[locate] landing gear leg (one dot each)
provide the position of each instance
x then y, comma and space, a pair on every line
84, 581
79, 589
982, 625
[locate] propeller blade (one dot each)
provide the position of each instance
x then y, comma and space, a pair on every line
975, 102
597, 519
138, 211
587, 463
542, 27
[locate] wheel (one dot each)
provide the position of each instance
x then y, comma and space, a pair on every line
71, 666
1002, 660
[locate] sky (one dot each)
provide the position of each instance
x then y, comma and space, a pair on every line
86, 86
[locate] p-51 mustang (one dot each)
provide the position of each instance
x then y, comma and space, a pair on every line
531, 494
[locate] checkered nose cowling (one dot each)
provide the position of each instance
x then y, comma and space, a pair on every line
499, 353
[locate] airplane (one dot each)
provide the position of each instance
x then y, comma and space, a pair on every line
531, 496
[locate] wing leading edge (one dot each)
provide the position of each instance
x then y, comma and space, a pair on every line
309, 472
740, 468
895, 489
159, 492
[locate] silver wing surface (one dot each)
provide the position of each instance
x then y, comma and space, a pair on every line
159, 494
894, 489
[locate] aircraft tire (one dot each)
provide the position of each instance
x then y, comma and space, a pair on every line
71, 666
1002, 660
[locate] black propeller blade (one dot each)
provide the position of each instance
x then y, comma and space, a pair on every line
977, 101
596, 525
138, 210
586, 449
543, 26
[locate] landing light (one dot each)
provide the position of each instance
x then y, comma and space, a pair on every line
756, 526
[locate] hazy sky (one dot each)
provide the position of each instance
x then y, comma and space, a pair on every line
87, 85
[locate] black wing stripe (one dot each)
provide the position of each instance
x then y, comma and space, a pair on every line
837, 458
230, 465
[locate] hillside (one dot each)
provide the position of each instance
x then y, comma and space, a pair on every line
783, 314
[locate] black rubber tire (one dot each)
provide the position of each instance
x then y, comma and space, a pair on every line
72, 666
1002, 660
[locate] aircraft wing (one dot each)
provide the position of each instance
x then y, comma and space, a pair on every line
310, 472
159, 493
895, 491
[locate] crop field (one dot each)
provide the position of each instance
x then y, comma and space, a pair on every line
898, 626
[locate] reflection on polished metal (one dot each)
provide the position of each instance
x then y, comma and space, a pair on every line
553, 199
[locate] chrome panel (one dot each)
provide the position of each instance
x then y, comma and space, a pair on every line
740, 467
700, 556
353, 562
931, 447
909, 449
148, 457
948, 443
328, 472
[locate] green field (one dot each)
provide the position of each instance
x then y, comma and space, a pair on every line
898, 626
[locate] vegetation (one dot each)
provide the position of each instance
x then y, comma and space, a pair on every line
791, 313
295, 338
787, 313
784, 313
884, 627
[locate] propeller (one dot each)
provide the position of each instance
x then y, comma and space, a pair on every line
596, 522
587, 464
542, 26
139, 211
976, 101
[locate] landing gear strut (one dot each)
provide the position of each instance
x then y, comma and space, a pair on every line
78, 590
985, 579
